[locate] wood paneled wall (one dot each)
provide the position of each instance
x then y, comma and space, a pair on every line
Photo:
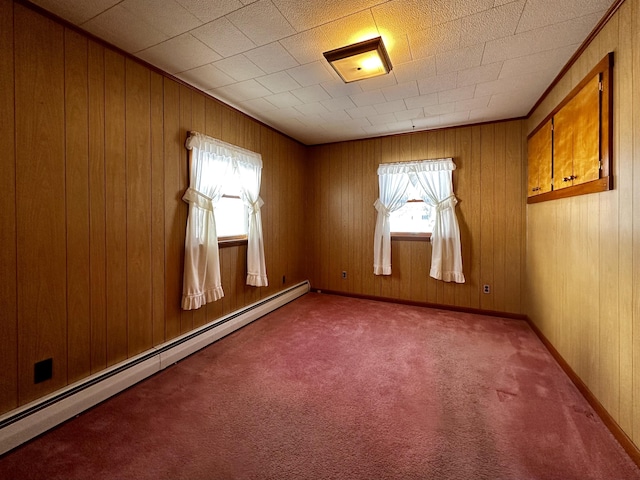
583, 253
488, 183
92, 224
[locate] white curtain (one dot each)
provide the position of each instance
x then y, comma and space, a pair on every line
433, 180
250, 170
212, 162
436, 187
393, 180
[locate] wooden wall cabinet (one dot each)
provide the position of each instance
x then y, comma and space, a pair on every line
569, 153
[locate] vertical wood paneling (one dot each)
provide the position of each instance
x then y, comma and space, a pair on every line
623, 124
77, 203
186, 317
582, 269
93, 224
635, 100
172, 198
40, 200
462, 182
514, 218
157, 208
97, 201
116, 207
487, 175
499, 218
138, 171
8, 254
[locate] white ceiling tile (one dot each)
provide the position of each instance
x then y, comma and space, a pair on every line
206, 77
310, 74
283, 100
483, 73
421, 101
312, 120
337, 116
382, 119
437, 39
541, 39
337, 88
382, 129
454, 118
360, 112
402, 16
261, 22
311, 109
399, 92
242, 91
257, 105
239, 67
497, 3
427, 122
459, 59
271, 58
224, 37
306, 15
491, 24
439, 109
179, 54
336, 104
437, 83
172, 19
416, 69
554, 59
307, 47
360, 122
456, 94
409, 114
367, 98
206, 10
537, 81
313, 93
376, 83
76, 12
390, 107
472, 103
447, 10
397, 48
548, 12
124, 30
350, 29
279, 82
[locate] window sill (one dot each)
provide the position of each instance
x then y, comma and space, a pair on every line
232, 242
411, 237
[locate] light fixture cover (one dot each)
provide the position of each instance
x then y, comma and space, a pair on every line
361, 60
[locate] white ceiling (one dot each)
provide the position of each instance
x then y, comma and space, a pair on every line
455, 62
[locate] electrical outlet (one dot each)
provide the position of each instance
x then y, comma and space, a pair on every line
486, 289
344, 274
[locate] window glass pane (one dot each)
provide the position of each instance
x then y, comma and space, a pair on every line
231, 217
413, 217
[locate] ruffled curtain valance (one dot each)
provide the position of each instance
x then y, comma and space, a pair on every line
433, 180
212, 163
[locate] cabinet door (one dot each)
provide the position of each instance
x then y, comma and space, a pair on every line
539, 161
576, 138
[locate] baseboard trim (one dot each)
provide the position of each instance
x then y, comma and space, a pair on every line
22, 424
478, 311
619, 434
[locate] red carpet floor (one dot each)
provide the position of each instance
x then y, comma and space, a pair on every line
338, 388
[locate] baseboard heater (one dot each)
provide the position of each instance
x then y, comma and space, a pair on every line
29, 421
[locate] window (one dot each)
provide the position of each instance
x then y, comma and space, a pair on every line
232, 218
414, 219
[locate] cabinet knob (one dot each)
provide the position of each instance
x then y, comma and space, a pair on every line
568, 179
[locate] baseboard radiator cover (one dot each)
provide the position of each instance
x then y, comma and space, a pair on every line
22, 424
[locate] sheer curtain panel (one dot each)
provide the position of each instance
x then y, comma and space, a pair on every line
212, 163
393, 180
436, 187
432, 178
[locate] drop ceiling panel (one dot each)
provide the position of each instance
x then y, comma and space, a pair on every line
454, 61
